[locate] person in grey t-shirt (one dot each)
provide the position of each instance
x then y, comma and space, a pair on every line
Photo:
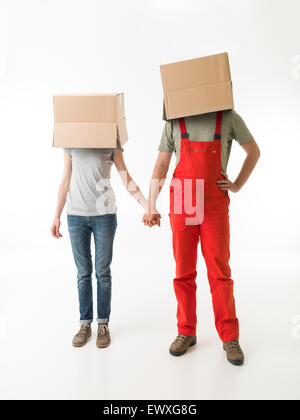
91, 209
90, 192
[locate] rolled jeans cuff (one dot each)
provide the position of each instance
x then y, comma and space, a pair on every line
102, 321
88, 321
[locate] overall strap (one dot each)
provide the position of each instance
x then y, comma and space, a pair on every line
218, 125
184, 133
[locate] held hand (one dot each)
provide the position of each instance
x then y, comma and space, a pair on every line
226, 185
151, 219
55, 229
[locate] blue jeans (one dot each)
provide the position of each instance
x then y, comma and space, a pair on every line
103, 229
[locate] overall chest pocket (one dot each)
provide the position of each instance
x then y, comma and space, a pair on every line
203, 164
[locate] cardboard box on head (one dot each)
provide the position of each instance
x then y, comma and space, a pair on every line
89, 121
197, 86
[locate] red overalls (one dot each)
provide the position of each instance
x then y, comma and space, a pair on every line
202, 161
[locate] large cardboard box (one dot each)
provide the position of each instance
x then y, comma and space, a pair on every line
89, 121
197, 86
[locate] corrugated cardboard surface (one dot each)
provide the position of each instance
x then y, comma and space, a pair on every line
89, 121
197, 86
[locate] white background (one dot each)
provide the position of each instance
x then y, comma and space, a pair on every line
71, 46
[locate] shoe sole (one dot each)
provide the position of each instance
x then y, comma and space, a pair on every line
102, 346
180, 353
236, 362
82, 345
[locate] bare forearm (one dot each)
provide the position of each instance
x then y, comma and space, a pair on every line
61, 199
247, 168
127, 180
62, 194
156, 185
133, 189
137, 194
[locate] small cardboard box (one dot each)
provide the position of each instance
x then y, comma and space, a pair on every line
197, 86
89, 121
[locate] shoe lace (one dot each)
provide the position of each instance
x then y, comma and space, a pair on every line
234, 347
181, 339
83, 329
102, 329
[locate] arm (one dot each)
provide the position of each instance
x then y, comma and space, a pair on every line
62, 194
253, 154
127, 180
152, 216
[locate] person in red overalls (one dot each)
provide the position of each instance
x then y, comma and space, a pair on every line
199, 204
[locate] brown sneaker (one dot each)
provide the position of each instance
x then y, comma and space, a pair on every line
103, 338
82, 336
181, 344
235, 354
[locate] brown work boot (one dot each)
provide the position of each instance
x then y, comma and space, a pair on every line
103, 337
82, 336
181, 344
235, 354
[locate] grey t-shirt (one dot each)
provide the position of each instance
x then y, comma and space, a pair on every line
90, 192
202, 128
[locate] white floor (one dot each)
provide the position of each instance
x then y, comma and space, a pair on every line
38, 318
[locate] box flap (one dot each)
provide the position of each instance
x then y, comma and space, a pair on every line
164, 113
85, 135
122, 131
199, 100
120, 106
